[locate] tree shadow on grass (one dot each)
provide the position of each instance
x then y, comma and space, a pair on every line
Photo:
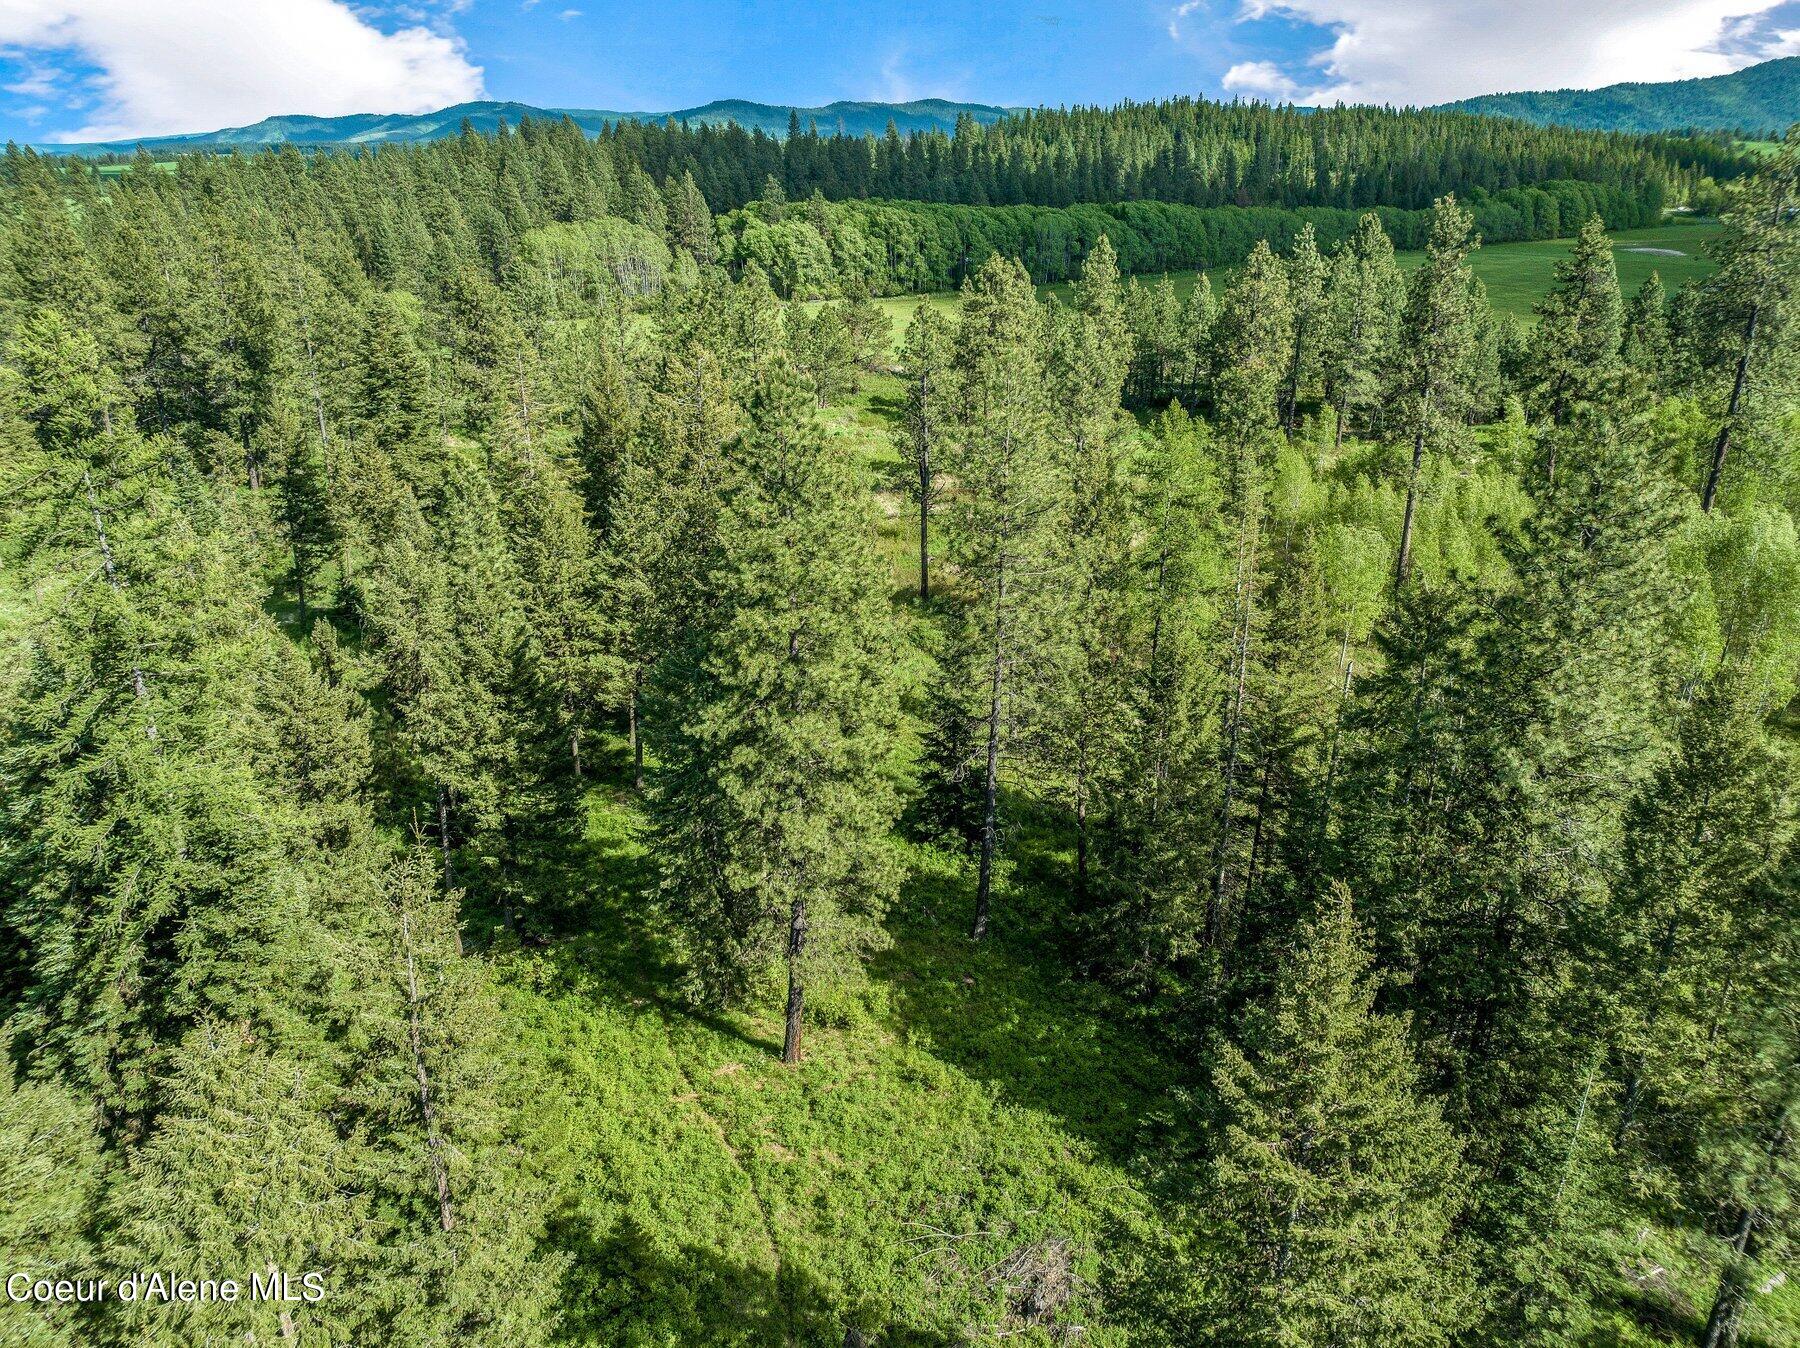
609, 945
1011, 1012
624, 1289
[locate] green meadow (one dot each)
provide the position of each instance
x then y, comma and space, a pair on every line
1517, 275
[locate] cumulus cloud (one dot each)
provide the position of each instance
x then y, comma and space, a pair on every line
1260, 79
190, 65
1433, 51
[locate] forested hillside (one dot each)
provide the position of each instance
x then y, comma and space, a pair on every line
833, 119
550, 780
1759, 100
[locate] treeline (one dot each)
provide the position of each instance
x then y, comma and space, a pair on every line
817, 247
1185, 150
1407, 706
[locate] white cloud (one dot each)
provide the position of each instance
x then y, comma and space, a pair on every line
1433, 51
196, 65
1260, 79
1180, 12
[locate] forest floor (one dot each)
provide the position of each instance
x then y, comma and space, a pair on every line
977, 1144
1517, 275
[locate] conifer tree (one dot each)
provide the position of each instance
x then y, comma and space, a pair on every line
690, 223
51, 1159
1007, 515
1337, 1183
925, 367
1647, 344
1364, 299
1429, 385
1144, 919
1576, 350
774, 795
1750, 302
1251, 336
1088, 360
1307, 274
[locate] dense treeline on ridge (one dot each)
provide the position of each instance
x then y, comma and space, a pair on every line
1189, 151
1380, 711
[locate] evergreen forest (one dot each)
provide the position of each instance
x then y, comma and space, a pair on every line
562, 773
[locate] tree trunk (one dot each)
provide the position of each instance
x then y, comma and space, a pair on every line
637, 734
984, 884
140, 686
1343, 406
1403, 562
1727, 1315
434, 1145
1723, 443
1246, 599
924, 534
443, 819
790, 1044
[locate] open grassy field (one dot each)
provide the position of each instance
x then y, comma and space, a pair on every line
1516, 274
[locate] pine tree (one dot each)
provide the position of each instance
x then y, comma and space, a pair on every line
1143, 919
1647, 345
1750, 302
773, 799
51, 1159
1337, 1184
1251, 337
1576, 351
1364, 297
690, 223
1307, 274
1429, 385
1006, 519
1088, 359
925, 367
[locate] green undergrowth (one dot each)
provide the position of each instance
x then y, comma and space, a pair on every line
975, 1146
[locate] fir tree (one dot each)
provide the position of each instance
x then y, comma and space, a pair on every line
774, 794
1337, 1184
1577, 347
1750, 301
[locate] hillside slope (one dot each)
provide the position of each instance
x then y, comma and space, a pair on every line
856, 119
1761, 98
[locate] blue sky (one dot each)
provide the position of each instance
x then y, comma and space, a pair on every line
93, 69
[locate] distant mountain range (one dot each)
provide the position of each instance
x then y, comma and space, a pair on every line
855, 119
1761, 99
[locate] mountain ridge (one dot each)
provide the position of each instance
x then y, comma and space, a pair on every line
1760, 99
852, 117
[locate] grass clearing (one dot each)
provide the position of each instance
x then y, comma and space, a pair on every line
968, 1111
1517, 275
